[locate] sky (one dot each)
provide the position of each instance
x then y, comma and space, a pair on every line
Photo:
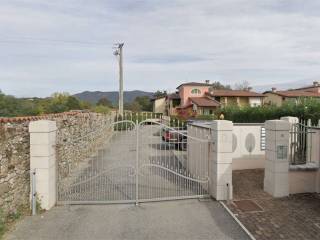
66, 46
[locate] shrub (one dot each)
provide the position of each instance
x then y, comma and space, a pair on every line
102, 109
305, 109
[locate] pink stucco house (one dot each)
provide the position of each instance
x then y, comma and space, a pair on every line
200, 98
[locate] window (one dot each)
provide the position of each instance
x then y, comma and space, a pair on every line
195, 91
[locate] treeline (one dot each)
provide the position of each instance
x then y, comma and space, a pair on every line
59, 102
11, 106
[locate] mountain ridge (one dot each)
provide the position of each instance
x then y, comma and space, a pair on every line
95, 96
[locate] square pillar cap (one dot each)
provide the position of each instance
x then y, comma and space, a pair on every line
222, 125
42, 126
290, 119
277, 125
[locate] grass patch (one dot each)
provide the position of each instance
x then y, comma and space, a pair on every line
2, 224
7, 221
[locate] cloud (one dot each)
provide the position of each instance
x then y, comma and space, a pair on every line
67, 45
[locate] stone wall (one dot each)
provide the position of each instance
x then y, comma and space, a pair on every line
14, 166
78, 134
78, 137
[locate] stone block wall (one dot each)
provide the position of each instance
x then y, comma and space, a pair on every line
15, 150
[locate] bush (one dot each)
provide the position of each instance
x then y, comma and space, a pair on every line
305, 109
102, 109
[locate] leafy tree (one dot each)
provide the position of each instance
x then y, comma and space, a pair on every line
144, 102
102, 109
72, 103
159, 94
59, 102
104, 102
85, 105
134, 106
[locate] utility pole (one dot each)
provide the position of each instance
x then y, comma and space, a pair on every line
119, 53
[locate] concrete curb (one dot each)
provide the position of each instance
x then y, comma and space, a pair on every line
238, 221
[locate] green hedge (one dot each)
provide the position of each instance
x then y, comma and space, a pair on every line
305, 109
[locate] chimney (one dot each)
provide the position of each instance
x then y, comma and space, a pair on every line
273, 89
316, 84
249, 89
207, 81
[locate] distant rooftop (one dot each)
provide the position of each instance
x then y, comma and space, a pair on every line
173, 96
206, 84
295, 93
234, 93
315, 84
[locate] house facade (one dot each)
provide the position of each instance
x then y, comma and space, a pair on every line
195, 98
240, 98
278, 98
173, 101
159, 105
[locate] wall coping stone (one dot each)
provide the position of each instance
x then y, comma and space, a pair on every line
44, 117
277, 125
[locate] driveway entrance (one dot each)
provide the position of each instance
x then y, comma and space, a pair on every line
138, 162
170, 220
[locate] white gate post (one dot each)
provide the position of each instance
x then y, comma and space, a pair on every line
221, 162
276, 177
43, 160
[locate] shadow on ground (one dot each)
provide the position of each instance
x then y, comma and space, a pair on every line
185, 219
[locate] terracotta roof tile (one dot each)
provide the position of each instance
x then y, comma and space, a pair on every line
194, 84
234, 93
33, 118
295, 93
204, 102
173, 96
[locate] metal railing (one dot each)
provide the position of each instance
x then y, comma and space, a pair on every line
300, 143
142, 159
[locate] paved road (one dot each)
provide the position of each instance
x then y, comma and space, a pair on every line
173, 220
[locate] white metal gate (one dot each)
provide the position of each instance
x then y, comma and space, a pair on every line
138, 162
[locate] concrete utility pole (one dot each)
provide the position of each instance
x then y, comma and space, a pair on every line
119, 53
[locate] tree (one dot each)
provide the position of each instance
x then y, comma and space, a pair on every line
159, 94
104, 101
144, 102
219, 86
73, 103
102, 109
61, 102
134, 106
244, 85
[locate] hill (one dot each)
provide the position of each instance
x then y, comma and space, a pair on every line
128, 96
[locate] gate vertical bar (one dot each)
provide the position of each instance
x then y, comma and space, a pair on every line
137, 162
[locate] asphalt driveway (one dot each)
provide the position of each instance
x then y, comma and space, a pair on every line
185, 219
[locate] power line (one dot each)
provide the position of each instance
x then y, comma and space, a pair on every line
26, 40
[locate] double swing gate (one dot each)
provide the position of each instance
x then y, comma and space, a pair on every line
134, 162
